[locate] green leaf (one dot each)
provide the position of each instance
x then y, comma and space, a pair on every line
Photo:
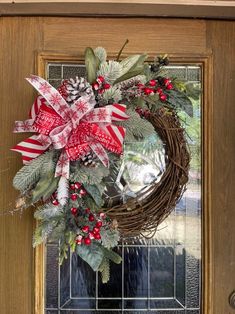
132, 66
45, 187
92, 64
114, 257
101, 53
94, 192
92, 254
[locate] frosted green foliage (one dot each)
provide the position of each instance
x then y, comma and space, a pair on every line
63, 190
105, 270
94, 192
48, 211
112, 94
136, 127
110, 70
109, 238
28, 175
101, 54
92, 254
88, 175
43, 231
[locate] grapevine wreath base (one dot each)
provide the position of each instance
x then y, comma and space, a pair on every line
81, 131
141, 215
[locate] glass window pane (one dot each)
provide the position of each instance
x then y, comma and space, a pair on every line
161, 275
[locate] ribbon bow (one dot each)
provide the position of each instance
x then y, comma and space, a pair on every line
76, 129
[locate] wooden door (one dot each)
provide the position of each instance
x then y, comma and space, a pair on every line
210, 42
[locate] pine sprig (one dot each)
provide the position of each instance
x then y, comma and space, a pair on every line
28, 175
136, 127
105, 270
110, 70
88, 175
48, 212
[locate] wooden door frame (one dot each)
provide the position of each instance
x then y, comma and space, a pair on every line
220, 9
206, 62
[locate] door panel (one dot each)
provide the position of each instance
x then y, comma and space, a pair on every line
23, 37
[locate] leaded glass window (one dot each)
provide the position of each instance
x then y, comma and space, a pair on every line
161, 275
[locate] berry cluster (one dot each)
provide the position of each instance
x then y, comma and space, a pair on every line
100, 85
91, 229
77, 191
157, 87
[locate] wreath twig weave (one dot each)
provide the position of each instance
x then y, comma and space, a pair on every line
144, 213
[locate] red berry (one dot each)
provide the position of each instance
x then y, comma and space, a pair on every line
79, 239
100, 79
106, 86
87, 210
166, 81
96, 230
85, 229
77, 185
83, 192
97, 236
163, 97
87, 241
95, 86
74, 196
169, 86
55, 202
159, 90
152, 82
148, 91
72, 186
101, 91
91, 235
99, 224
91, 217
102, 215
74, 210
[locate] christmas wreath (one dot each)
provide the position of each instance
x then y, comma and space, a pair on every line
82, 133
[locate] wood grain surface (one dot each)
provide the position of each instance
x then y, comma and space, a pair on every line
23, 37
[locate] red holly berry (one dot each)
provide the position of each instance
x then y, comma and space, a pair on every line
91, 217
163, 97
85, 229
166, 81
55, 202
96, 230
148, 91
102, 215
101, 91
77, 185
95, 86
79, 239
97, 236
87, 241
91, 235
169, 86
152, 82
74, 210
100, 79
106, 86
87, 210
159, 90
73, 196
82, 192
72, 186
99, 224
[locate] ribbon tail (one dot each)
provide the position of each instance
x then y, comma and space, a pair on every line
63, 165
30, 148
100, 152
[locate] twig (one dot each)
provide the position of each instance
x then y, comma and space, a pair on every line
120, 52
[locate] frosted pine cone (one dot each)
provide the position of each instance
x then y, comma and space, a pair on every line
89, 160
71, 89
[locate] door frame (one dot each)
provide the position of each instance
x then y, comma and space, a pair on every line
206, 62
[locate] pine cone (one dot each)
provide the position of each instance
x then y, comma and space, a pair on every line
72, 90
89, 160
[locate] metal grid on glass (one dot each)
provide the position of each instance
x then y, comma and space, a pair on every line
161, 275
